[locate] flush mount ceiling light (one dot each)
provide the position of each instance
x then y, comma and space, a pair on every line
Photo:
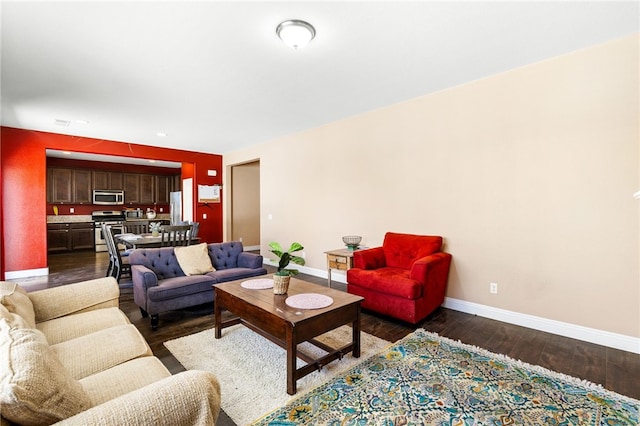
296, 33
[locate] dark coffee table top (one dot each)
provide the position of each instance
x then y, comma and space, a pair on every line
275, 303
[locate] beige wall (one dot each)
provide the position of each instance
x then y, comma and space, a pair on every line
245, 203
528, 175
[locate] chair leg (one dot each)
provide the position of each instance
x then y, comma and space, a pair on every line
110, 268
143, 313
154, 322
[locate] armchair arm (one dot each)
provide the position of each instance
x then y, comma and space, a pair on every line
372, 258
433, 271
249, 260
188, 398
69, 299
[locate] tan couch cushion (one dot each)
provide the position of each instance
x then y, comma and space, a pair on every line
66, 328
194, 260
123, 378
55, 302
99, 351
15, 299
36, 388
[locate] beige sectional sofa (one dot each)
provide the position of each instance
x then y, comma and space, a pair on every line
70, 356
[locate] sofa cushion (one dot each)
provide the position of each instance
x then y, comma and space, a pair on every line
36, 388
56, 302
123, 378
15, 299
401, 250
225, 255
225, 275
390, 281
71, 326
194, 260
162, 261
99, 351
171, 288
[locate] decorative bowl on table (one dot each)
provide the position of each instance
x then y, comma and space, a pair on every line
352, 241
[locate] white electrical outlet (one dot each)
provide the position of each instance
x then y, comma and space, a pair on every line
493, 288
72, 210
303, 254
161, 209
204, 215
240, 239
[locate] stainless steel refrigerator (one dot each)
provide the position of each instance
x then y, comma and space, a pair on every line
175, 207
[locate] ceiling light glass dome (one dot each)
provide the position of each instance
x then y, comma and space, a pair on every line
296, 33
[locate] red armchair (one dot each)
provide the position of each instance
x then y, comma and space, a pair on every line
406, 278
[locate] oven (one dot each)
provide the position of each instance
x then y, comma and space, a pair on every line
113, 218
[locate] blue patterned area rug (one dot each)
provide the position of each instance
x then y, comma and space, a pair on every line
425, 379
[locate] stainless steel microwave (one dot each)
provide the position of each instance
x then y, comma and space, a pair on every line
107, 197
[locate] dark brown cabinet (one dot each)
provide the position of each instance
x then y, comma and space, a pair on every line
116, 180
147, 189
131, 188
100, 180
164, 185
59, 185
82, 187
58, 237
75, 186
82, 236
107, 180
64, 237
69, 186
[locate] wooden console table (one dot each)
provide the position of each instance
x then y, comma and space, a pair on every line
341, 259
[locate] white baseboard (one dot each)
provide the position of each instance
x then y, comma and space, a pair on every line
592, 335
250, 248
27, 273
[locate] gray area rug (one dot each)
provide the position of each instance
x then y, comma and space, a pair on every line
252, 369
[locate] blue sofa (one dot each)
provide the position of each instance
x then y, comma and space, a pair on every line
160, 285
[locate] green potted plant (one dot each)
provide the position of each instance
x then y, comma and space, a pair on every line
154, 227
282, 276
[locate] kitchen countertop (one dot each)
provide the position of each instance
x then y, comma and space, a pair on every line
77, 218
69, 218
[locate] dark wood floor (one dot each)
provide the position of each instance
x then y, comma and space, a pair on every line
616, 370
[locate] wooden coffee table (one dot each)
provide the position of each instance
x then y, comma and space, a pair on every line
268, 314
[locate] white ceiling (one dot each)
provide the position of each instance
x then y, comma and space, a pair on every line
214, 77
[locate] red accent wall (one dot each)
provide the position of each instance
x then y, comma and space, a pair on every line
23, 226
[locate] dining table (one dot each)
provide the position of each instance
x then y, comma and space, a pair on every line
145, 240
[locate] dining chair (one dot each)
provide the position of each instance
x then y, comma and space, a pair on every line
136, 227
175, 235
118, 266
195, 227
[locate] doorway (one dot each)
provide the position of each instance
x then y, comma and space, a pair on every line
245, 204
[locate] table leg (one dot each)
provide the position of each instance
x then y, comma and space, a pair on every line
292, 349
329, 277
356, 334
217, 315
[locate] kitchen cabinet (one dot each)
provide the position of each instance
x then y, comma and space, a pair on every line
164, 185
75, 186
82, 236
58, 237
82, 187
69, 186
64, 237
147, 189
107, 180
131, 188
59, 185
100, 179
